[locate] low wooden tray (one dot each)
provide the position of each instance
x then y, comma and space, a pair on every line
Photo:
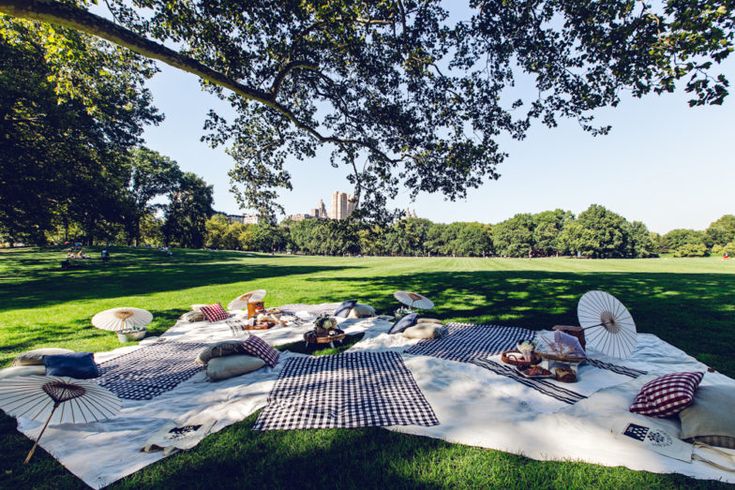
312, 338
523, 373
567, 359
259, 326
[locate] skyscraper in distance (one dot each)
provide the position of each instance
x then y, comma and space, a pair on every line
342, 205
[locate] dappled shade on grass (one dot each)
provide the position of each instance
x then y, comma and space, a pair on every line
686, 302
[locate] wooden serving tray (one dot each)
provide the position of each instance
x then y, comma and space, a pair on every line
567, 359
523, 372
311, 338
259, 326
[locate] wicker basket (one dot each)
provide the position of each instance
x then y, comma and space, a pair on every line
515, 358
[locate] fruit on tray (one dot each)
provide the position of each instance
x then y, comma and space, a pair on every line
536, 372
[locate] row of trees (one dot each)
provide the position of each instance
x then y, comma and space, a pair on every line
72, 165
596, 232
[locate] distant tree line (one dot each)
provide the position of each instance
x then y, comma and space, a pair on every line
595, 233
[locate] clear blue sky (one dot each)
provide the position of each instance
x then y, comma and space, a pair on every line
664, 163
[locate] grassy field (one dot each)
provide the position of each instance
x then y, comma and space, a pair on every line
687, 302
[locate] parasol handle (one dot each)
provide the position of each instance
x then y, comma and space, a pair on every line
594, 326
35, 445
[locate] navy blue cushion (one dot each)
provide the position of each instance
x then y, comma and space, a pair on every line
404, 322
344, 309
79, 365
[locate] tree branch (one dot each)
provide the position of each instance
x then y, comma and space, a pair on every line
278, 80
66, 15
81, 20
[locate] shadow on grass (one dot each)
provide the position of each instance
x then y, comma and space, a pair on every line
694, 312
68, 334
53, 287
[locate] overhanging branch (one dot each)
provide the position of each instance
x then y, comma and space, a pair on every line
67, 15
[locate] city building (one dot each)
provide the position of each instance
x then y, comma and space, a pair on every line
299, 216
251, 219
247, 219
342, 205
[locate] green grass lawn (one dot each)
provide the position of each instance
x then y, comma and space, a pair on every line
687, 302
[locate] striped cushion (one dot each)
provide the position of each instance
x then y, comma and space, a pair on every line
255, 346
667, 395
214, 313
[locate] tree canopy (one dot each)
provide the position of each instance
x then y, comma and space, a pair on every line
407, 93
64, 141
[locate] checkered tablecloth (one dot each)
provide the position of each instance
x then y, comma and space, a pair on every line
151, 370
468, 341
353, 389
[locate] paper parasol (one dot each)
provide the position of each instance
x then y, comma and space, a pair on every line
241, 302
56, 400
122, 319
608, 326
414, 300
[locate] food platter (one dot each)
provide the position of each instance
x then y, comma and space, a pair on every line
535, 372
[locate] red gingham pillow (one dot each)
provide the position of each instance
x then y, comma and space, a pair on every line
255, 346
214, 313
667, 395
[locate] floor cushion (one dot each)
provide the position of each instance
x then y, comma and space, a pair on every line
344, 309
214, 313
403, 323
711, 418
421, 331
361, 311
226, 367
193, 316
667, 395
12, 372
79, 365
429, 320
255, 346
220, 349
35, 357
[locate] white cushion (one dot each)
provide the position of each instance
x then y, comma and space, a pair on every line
429, 320
711, 418
220, 349
361, 311
197, 307
12, 372
193, 316
35, 357
226, 367
421, 331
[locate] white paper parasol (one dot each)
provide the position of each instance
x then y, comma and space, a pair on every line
122, 319
414, 300
608, 326
241, 302
55, 400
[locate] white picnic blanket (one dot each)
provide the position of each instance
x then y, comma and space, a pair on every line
474, 405
103, 452
480, 408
